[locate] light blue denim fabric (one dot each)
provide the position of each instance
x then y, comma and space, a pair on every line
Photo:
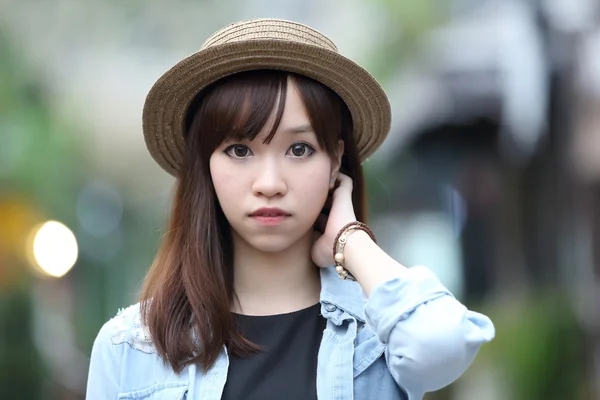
410, 337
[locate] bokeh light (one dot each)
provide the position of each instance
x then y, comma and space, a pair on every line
54, 249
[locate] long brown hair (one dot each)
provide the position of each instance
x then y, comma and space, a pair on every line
187, 294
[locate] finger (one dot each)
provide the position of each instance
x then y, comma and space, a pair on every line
345, 182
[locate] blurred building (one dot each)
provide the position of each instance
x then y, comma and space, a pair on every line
496, 146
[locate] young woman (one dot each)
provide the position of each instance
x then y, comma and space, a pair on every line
265, 129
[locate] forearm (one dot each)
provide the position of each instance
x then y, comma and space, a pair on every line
431, 337
369, 264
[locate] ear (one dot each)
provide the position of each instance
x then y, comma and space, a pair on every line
336, 164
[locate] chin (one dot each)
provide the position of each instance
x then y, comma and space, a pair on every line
270, 244
274, 242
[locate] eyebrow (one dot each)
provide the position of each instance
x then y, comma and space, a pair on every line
299, 129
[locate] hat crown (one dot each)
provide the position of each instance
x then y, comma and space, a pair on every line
254, 45
269, 29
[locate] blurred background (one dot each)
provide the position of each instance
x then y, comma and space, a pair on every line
490, 175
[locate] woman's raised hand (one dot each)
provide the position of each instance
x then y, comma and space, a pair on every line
341, 213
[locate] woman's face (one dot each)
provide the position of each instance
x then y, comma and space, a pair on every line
272, 194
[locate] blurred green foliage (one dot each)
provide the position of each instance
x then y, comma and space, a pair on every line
38, 157
406, 23
539, 346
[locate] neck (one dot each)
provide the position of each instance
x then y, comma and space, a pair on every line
274, 283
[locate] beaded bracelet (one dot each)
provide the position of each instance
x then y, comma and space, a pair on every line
340, 242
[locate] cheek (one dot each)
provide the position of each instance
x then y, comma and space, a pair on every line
313, 188
224, 181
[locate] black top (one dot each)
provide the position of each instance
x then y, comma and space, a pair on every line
286, 367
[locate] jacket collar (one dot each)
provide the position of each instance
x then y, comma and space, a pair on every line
343, 294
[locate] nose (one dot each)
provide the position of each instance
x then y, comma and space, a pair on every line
270, 180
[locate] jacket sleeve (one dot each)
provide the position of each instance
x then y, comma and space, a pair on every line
105, 370
431, 337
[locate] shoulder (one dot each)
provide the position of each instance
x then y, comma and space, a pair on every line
127, 327
122, 347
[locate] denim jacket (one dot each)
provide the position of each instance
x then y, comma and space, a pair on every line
411, 336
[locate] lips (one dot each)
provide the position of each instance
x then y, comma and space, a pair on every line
270, 217
270, 213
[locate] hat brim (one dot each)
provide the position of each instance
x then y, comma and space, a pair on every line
166, 105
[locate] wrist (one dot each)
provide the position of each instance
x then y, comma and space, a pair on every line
356, 240
340, 244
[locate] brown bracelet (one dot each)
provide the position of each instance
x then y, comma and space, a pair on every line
340, 242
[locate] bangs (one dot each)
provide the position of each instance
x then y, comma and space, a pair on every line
240, 106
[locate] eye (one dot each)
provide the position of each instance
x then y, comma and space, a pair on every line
238, 151
300, 150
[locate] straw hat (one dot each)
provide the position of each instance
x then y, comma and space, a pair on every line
261, 44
